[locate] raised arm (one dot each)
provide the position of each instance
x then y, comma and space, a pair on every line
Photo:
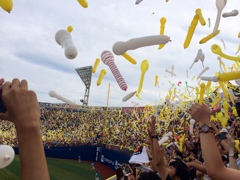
158, 157
231, 157
213, 162
24, 111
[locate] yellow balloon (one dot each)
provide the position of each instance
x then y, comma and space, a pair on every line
191, 30
201, 19
83, 3
202, 90
162, 28
129, 58
6, 5
144, 68
69, 29
95, 65
156, 81
100, 77
208, 37
216, 49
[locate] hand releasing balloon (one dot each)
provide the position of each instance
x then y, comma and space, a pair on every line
108, 59
6, 155
64, 39
95, 65
217, 50
6, 5
121, 47
232, 13
191, 30
144, 68
55, 95
101, 76
129, 96
220, 5
83, 3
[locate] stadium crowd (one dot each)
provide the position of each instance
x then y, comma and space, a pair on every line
207, 152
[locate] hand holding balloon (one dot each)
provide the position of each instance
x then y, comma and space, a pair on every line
64, 39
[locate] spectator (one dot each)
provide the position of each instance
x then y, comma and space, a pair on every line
24, 111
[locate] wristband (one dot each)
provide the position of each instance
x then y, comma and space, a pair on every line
231, 155
155, 137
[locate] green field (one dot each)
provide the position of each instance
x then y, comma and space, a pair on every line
59, 169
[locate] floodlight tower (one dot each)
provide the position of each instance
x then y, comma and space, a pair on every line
85, 74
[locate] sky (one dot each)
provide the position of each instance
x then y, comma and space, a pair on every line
28, 49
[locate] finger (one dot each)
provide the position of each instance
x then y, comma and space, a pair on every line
15, 83
6, 86
1, 81
24, 84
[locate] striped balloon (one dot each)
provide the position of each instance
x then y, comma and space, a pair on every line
108, 59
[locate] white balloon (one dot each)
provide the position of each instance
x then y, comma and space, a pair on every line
192, 122
64, 39
163, 140
138, 1
237, 81
53, 94
232, 13
7, 155
121, 47
128, 96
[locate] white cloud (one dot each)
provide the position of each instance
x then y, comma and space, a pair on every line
28, 48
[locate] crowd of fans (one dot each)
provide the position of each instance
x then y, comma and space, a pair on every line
184, 155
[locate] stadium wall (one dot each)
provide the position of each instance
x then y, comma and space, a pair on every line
105, 156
